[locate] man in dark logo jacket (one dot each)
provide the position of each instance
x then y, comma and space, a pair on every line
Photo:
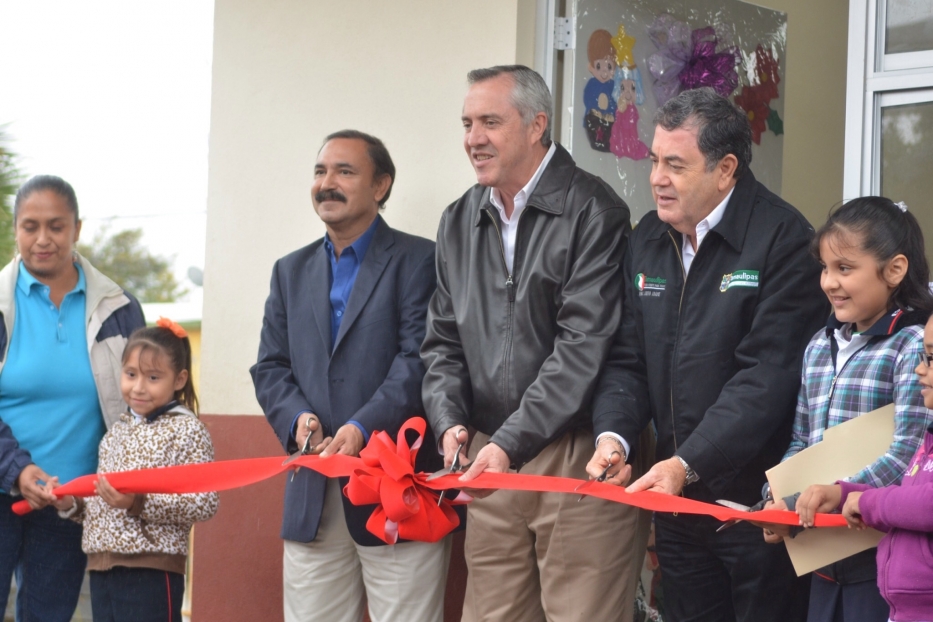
720, 298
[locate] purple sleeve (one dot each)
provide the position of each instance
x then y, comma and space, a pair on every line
848, 487
898, 507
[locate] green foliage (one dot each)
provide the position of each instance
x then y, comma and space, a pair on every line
122, 258
10, 178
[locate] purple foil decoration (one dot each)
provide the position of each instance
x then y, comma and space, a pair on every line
672, 38
710, 68
686, 60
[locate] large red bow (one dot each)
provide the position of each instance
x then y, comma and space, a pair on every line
406, 508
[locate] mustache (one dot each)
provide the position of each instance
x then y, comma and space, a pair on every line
329, 195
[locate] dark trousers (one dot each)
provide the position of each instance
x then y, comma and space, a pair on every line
729, 576
853, 602
136, 595
44, 552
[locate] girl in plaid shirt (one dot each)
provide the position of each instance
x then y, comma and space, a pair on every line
876, 276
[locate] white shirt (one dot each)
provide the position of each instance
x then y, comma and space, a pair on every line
510, 225
703, 227
849, 344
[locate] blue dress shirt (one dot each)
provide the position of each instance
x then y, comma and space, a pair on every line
343, 272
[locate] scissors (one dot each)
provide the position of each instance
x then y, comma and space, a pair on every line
306, 450
741, 508
454, 467
602, 478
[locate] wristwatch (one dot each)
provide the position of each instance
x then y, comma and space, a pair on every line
691, 474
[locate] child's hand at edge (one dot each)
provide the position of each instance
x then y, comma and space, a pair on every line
65, 503
60, 503
774, 532
112, 496
818, 498
850, 511
33, 484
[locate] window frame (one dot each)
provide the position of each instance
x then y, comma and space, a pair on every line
875, 81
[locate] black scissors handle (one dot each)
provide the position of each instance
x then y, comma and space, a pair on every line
601, 478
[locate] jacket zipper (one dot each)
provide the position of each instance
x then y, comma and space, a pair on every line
510, 290
832, 385
680, 306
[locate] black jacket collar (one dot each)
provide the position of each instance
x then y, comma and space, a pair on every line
734, 224
550, 194
890, 323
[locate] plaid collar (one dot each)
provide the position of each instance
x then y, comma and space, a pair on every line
889, 324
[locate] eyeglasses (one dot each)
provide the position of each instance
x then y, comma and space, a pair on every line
925, 359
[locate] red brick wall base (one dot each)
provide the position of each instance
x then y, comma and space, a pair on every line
238, 553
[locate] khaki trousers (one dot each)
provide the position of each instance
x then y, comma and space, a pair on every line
324, 580
547, 556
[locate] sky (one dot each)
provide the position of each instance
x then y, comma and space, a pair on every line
114, 97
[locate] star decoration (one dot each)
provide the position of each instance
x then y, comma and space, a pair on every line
624, 44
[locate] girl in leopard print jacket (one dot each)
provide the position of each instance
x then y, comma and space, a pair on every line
137, 545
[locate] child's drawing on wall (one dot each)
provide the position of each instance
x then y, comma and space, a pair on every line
598, 101
628, 93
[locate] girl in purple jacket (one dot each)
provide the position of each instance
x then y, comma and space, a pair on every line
905, 514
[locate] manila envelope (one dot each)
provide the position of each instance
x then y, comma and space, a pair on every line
845, 450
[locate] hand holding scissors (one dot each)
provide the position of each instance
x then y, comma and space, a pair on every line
455, 466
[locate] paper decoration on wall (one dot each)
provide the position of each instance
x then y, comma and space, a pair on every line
612, 94
756, 98
689, 60
597, 94
775, 123
632, 56
623, 45
628, 94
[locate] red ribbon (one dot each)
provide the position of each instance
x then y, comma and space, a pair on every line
406, 504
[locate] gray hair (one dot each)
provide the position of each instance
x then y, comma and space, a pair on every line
722, 128
530, 94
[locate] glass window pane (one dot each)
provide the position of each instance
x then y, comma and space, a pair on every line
908, 26
906, 154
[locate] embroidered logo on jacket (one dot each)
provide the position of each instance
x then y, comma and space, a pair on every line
649, 285
739, 278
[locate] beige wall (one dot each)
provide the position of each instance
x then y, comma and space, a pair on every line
815, 104
285, 74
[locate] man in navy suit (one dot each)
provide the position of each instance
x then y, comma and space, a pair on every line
339, 360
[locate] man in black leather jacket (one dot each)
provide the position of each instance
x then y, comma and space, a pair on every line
720, 299
527, 303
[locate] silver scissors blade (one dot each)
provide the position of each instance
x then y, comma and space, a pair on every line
306, 450
436, 474
454, 467
732, 505
602, 478
741, 508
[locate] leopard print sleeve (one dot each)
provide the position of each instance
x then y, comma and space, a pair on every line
191, 444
